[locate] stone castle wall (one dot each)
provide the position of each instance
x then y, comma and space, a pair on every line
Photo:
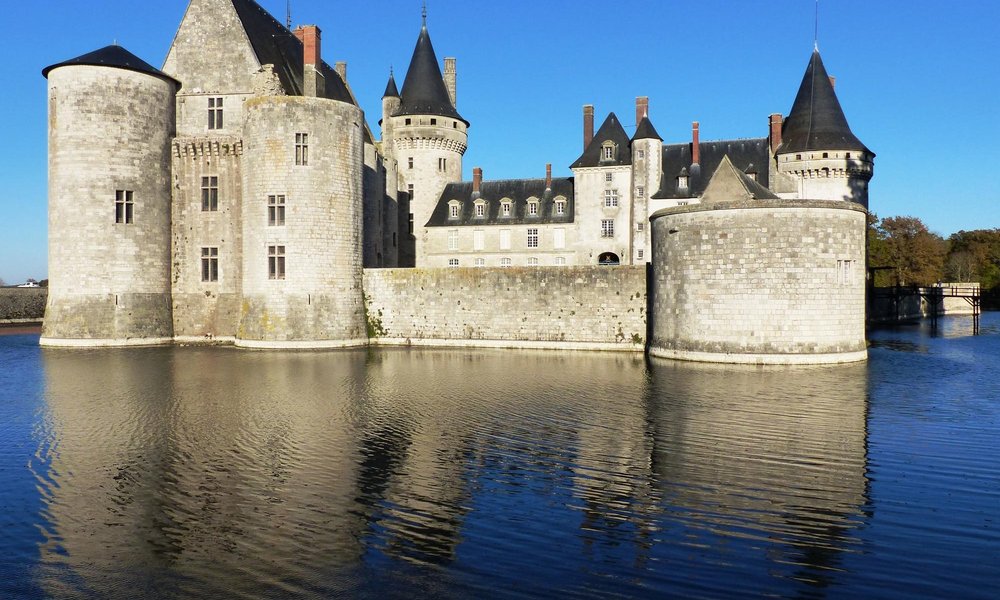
759, 282
589, 307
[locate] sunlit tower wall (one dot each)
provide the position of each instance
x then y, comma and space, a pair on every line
111, 120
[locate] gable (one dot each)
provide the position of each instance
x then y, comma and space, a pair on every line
211, 52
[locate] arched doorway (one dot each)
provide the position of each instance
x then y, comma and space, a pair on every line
609, 259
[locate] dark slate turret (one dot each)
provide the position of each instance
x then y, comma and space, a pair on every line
646, 131
390, 88
112, 56
817, 122
424, 92
611, 131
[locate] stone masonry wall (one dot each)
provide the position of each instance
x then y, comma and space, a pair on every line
551, 307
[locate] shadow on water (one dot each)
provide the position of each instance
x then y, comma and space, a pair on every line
184, 472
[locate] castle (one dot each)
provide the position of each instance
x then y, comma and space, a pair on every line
238, 193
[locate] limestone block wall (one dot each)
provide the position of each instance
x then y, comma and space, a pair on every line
317, 300
586, 307
778, 281
590, 210
109, 283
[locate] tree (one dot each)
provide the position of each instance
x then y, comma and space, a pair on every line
978, 253
904, 243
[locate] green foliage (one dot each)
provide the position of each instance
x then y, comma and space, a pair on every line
975, 256
916, 255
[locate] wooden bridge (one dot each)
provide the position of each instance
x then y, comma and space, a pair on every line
935, 296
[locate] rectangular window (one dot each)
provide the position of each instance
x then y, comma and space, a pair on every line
409, 190
478, 239
209, 194
608, 152
533, 208
610, 198
607, 228
453, 211
480, 210
504, 262
275, 211
532, 262
845, 271
505, 209
682, 182
215, 113
532, 238
640, 192
210, 264
411, 224
638, 254
609, 177
480, 262
275, 262
560, 207
409, 162
434, 121
301, 149
505, 239
124, 206
408, 121
452, 262
640, 154
442, 164
453, 239
682, 203
558, 238
560, 260
640, 225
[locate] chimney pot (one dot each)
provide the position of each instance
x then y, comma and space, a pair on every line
588, 124
477, 179
311, 44
695, 145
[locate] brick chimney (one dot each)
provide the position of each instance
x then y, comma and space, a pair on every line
641, 108
313, 83
588, 124
833, 82
775, 121
477, 179
695, 147
548, 176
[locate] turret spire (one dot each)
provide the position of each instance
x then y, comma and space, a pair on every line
424, 91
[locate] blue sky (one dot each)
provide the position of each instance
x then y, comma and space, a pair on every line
918, 81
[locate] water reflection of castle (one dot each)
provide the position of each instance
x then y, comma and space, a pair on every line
218, 471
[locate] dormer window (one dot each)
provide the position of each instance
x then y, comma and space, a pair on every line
505, 208
608, 151
480, 208
532, 208
682, 182
560, 207
453, 209
752, 175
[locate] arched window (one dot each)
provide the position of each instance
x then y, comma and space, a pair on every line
608, 258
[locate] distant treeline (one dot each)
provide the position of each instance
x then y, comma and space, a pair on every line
916, 256
18, 304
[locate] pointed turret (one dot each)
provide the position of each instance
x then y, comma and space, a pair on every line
390, 88
817, 122
424, 90
646, 131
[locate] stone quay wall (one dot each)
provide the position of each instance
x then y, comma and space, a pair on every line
585, 308
22, 305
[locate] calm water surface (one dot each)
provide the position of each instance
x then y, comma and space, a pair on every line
216, 472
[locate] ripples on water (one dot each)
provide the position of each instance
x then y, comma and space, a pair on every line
215, 472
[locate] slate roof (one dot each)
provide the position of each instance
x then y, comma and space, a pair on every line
390, 88
518, 190
112, 56
817, 122
424, 92
730, 184
748, 155
274, 44
646, 131
612, 130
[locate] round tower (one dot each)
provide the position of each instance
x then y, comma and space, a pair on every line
428, 140
647, 167
818, 149
302, 220
111, 121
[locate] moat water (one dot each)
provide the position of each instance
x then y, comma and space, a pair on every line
216, 472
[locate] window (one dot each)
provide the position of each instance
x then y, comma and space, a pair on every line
301, 149
453, 211
452, 262
610, 198
845, 271
408, 121
275, 262
505, 208
409, 162
640, 154
607, 228
682, 182
480, 262
560, 207
393, 239
798, 157
560, 260
434, 121
124, 206
682, 203
411, 224
533, 209
609, 177
638, 254
210, 264
481, 209
209, 194
442, 164
505, 239
826, 155
409, 190
608, 151
215, 113
848, 155
275, 211
558, 238
532, 238
752, 175
532, 262
640, 226
453, 239
478, 239
640, 192
504, 262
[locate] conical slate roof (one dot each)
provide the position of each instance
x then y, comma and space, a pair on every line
424, 92
390, 88
817, 122
646, 131
112, 56
611, 130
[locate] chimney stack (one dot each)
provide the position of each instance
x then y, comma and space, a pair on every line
776, 120
695, 147
477, 179
341, 68
833, 82
588, 124
310, 36
450, 80
641, 109
548, 176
